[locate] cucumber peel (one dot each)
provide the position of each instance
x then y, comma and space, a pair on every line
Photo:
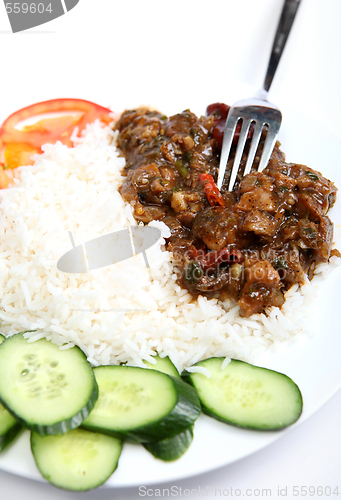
163, 365
9, 428
171, 449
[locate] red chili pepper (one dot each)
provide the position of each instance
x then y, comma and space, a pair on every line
206, 178
220, 112
211, 191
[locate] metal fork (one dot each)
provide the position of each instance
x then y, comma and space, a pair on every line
257, 112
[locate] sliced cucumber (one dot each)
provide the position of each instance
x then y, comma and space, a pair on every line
48, 390
170, 449
79, 460
9, 428
12, 430
163, 365
247, 396
141, 405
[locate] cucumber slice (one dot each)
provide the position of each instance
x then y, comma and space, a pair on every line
170, 449
48, 390
79, 460
9, 428
247, 396
141, 405
163, 365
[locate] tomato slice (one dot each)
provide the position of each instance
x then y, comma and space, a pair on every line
4, 179
17, 145
18, 153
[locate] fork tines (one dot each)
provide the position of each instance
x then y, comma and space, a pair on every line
260, 115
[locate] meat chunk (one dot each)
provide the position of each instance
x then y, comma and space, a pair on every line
187, 124
256, 180
182, 200
261, 224
216, 227
257, 199
257, 193
323, 251
316, 194
309, 233
308, 206
288, 263
141, 177
139, 126
213, 283
262, 273
262, 288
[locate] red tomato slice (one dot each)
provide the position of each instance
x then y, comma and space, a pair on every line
18, 153
47, 130
4, 179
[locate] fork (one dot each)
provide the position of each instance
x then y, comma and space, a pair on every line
257, 112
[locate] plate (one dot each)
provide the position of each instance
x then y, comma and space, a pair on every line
313, 362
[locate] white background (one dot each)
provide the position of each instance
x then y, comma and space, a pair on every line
188, 54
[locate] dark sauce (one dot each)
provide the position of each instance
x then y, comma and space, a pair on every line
249, 245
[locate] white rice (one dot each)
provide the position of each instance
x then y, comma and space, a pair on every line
124, 312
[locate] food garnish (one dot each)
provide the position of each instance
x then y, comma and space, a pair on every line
9, 426
170, 449
77, 461
245, 395
48, 390
54, 120
140, 405
211, 190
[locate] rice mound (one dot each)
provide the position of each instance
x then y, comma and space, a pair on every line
124, 312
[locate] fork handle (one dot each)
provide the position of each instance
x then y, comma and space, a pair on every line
284, 26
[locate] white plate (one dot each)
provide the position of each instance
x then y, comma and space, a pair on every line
313, 363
